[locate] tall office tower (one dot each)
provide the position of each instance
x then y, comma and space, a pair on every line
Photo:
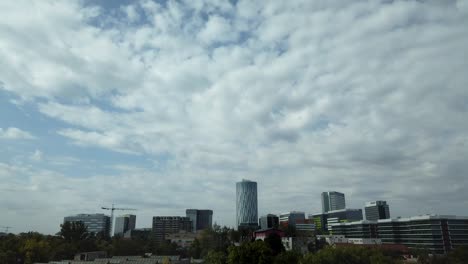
332, 201
163, 225
201, 219
95, 223
246, 204
268, 221
292, 218
377, 210
124, 223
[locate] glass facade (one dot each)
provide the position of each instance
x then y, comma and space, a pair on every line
438, 234
377, 210
332, 201
246, 203
95, 223
201, 219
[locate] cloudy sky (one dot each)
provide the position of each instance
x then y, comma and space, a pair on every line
163, 106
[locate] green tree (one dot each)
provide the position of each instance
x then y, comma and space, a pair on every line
274, 242
215, 257
36, 251
74, 231
195, 249
348, 255
256, 252
459, 255
288, 257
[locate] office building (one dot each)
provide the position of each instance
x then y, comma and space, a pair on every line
164, 225
332, 201
201, 219
322, 221
124, 223
268, 221
437, 233
292, 218
246, 204
96, 223
377, 210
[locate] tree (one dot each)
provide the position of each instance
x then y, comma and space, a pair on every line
215, 257
195, 249
274, 242
36, 251
459, 255
74, 231
256, 252
288, 257
348, 255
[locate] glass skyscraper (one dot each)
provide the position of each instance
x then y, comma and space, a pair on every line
332, 201
377, 210
246, 203
124, 223
201, 219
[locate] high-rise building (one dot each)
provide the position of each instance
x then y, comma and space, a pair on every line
96, 223
377, 210
246, 203
163, 225
436, 233
124, 223
292, 218
201, 219
332, 201
268, 221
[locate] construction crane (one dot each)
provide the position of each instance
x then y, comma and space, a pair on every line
6, 228
112, 215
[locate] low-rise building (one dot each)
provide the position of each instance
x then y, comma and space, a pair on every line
96, 223
264, 233
437, 233
299, 244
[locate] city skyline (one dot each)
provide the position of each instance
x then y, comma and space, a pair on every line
163, 106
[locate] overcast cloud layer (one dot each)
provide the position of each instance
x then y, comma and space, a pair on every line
164, 106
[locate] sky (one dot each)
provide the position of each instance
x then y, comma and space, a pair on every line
164, 105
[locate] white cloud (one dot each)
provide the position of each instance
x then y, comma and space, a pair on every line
14, 133
37, 155
365, 98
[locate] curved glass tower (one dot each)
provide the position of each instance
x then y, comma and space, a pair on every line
246, 203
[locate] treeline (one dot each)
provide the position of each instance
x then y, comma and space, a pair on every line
219, 245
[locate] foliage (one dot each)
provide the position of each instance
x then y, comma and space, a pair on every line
349, 255
459, 255
288, 257
289, 230
256, 252
74, 231
274, 243
215, 257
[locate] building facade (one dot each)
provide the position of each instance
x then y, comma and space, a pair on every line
96, 223
292, 218
201, 219
332, 201
164, 225
324, 220
377, 210
437, 233
124, 223
268, 221
246, 203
